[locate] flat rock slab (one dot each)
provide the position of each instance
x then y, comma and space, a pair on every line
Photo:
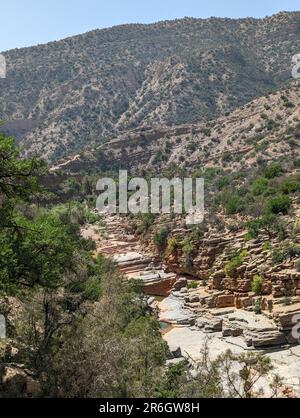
192, 342
286, 362
171, 311
253, 322
125, 258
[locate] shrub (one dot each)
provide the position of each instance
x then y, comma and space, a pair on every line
233, 264
260, 186
172, 245
273, 170
290, 186
233, 204
258, 307
160, 238
187, 248
278, 257
279, 204
92, 217
193, 285
257, 284
266, 246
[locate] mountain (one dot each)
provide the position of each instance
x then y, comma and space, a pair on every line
66, 96
266, 129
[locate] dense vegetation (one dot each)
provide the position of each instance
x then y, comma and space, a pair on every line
74, 306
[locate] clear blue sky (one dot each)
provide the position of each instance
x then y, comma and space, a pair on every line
30, 22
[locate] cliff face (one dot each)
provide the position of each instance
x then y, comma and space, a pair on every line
65, 96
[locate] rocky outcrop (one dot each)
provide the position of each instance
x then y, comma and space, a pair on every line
17, 381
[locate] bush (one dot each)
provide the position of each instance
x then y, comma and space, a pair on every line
172, 245
278, 257
260, 186
93, 218
279, 204
273, 170
233, 204
193, 285
160, 238
187, 248
290, 186
233, 264
258, 307
257, 284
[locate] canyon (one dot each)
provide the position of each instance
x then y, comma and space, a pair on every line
209, 314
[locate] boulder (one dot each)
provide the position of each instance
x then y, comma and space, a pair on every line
210, 324
179, 284
15, 381
259, 339
194, 298
175, 352
214, 325
232, 329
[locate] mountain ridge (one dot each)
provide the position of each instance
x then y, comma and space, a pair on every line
64, 96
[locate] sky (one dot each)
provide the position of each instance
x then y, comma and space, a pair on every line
32, 22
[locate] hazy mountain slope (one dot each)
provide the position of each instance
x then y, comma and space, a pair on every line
265, 129
65, 95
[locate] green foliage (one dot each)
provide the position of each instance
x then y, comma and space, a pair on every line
232, 203
260, 186
161, 237
172, 245
258, 307
233, 264
257, 284
278, 257
266, 224
193, 285
173, 379
146, 221
187, 247
92, 217
279, 204
266, 246
290, 185
273, 170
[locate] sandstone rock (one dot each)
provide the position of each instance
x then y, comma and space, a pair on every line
194, 298
225, 301
246, 302
259, 339
232, 329
18, 382
209, 324
286, 316
214, 325
180, 283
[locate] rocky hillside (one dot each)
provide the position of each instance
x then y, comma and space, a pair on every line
263, 130
61, 97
